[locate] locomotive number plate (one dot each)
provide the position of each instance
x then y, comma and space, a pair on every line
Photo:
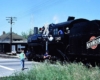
57, 38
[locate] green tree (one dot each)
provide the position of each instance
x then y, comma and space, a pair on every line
26, 34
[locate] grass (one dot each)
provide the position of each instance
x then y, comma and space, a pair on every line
46, 71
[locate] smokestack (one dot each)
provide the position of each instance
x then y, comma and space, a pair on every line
70, 18
35, 30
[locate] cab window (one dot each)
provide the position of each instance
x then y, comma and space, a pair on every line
55, 31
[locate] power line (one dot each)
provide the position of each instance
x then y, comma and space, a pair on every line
44, 6
41, 7
34, 7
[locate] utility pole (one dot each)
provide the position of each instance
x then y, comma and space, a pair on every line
10, 20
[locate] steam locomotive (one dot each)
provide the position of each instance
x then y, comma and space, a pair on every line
79, 41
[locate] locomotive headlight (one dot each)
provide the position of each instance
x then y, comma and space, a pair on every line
50, 38
67, 28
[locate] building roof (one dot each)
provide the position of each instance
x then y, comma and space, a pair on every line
14, 36
21, 41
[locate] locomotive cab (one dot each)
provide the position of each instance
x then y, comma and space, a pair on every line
60, 33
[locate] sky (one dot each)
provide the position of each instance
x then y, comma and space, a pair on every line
37, 13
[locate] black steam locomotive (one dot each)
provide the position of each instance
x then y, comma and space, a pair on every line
75, 39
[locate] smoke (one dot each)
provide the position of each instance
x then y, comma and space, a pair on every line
55, 19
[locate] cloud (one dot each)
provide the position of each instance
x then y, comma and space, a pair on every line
56, 19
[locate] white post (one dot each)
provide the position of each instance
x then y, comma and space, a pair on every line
46, 45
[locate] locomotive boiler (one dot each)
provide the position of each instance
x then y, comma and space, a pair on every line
79, 41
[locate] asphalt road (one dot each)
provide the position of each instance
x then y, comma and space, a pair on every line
10, 66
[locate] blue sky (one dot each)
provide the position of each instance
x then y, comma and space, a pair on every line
36, 13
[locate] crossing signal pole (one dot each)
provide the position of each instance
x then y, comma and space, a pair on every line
11, 21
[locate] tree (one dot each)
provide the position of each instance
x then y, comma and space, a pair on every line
26, 34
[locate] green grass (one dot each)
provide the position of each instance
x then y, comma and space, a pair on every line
46, 71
